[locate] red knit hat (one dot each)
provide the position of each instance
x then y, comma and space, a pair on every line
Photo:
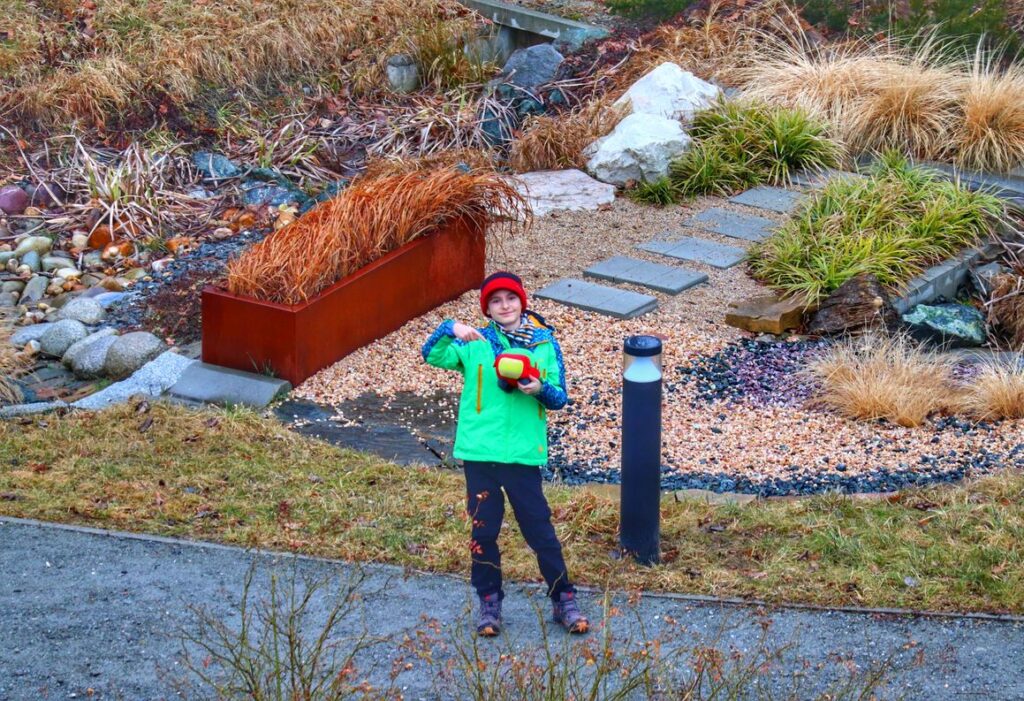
501, 280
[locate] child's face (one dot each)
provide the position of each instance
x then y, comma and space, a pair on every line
504, 307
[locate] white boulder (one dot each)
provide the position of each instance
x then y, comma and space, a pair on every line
640, 148
669, 91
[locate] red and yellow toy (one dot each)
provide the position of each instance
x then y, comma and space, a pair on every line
516, 366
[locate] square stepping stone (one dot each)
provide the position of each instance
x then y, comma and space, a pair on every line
776, 199
714, 254
621, 304
737, 226
664, 278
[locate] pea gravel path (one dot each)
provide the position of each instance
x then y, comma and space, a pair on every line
771, 444
93, 610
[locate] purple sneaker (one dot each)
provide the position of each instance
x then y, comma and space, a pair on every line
566, 612
489, 623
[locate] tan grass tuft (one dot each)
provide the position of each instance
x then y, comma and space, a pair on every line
557, 141
368, 219
882, 377
997, 392
990, 133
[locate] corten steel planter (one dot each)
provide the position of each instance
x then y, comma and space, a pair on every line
294, 341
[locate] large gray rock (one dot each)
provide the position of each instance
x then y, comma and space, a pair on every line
13, 200
83, 309
533, 66
87, 357
130, 352
61, 336
669, 91
551, 190
950, 325
640, 148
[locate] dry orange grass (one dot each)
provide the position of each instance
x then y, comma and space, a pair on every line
368, 219
880, 377
556, 142
53, 73
997, 392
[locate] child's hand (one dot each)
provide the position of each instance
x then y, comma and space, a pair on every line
532, 387
466, 333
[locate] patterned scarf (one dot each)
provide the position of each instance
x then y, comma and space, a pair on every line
523, 336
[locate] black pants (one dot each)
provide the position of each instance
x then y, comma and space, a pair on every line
486, 506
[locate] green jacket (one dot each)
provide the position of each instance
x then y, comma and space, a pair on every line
498, 423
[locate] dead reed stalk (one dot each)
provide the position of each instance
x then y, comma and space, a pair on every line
369, 219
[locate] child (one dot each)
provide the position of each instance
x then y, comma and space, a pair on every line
502, 440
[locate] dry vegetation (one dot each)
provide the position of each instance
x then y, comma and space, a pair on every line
875, 377
554, 142
878, 95
273, 489
892, 378
370, 218
90, 61
9, 363
1006, 308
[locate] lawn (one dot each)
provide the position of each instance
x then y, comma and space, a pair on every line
235, 477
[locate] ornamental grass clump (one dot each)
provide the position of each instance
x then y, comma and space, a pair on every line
369, 219
883, 377
891, 225
995, 392
554, 142
918, 97
738, 145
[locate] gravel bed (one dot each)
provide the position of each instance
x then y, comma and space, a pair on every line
755, 434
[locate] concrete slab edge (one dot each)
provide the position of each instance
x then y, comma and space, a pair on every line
397, 570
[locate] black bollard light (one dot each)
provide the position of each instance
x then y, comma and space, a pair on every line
641, 449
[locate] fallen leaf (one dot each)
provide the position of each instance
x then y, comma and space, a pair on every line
146, 425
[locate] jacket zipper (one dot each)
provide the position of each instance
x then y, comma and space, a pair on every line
479, 386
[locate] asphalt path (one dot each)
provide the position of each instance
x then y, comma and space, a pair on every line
100, 615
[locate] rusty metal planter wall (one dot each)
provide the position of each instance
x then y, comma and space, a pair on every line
294, 341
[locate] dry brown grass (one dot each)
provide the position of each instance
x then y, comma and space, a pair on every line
883, 377
368, 219
990, 134
471, 158
557, 141
133, 54
996, 392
